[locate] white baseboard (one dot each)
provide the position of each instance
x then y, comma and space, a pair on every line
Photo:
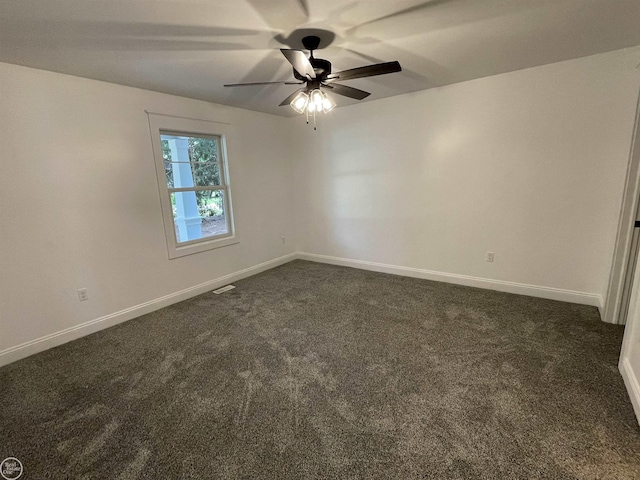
41, 344
631, 382
570, 296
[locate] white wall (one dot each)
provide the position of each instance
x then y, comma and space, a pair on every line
529, 165
79, 202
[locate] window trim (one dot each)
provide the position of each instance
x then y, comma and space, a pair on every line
173, 125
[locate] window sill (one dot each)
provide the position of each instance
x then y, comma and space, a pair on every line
190, 249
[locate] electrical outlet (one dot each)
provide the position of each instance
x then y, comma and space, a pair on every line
489, 256
83, 294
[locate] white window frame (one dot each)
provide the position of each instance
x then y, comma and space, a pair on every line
173, 125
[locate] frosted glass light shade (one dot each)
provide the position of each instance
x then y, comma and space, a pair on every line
300, 102
328, 104
317, 98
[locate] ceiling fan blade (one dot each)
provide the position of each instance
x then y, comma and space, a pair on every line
368, 71
288, 100
347, 91
300, 62
261, 83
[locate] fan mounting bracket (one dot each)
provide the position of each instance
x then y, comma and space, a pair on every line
311, 42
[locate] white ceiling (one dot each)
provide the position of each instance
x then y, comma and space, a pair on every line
192, 47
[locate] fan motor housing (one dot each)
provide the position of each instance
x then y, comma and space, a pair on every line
322, 68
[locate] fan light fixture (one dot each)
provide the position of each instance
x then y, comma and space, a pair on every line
312, 103
316, 101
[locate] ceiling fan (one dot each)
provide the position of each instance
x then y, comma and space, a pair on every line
315, 74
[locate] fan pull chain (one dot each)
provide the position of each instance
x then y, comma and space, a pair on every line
314, 118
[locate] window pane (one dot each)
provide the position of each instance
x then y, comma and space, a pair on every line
213, 210
198, 214
190, 174
190, 161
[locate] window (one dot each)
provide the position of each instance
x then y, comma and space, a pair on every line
191, 166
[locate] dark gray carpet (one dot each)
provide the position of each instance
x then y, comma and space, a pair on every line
315, 371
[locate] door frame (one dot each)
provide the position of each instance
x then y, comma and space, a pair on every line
629, 376
628, 211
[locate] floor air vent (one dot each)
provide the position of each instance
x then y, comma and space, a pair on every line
224, 289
